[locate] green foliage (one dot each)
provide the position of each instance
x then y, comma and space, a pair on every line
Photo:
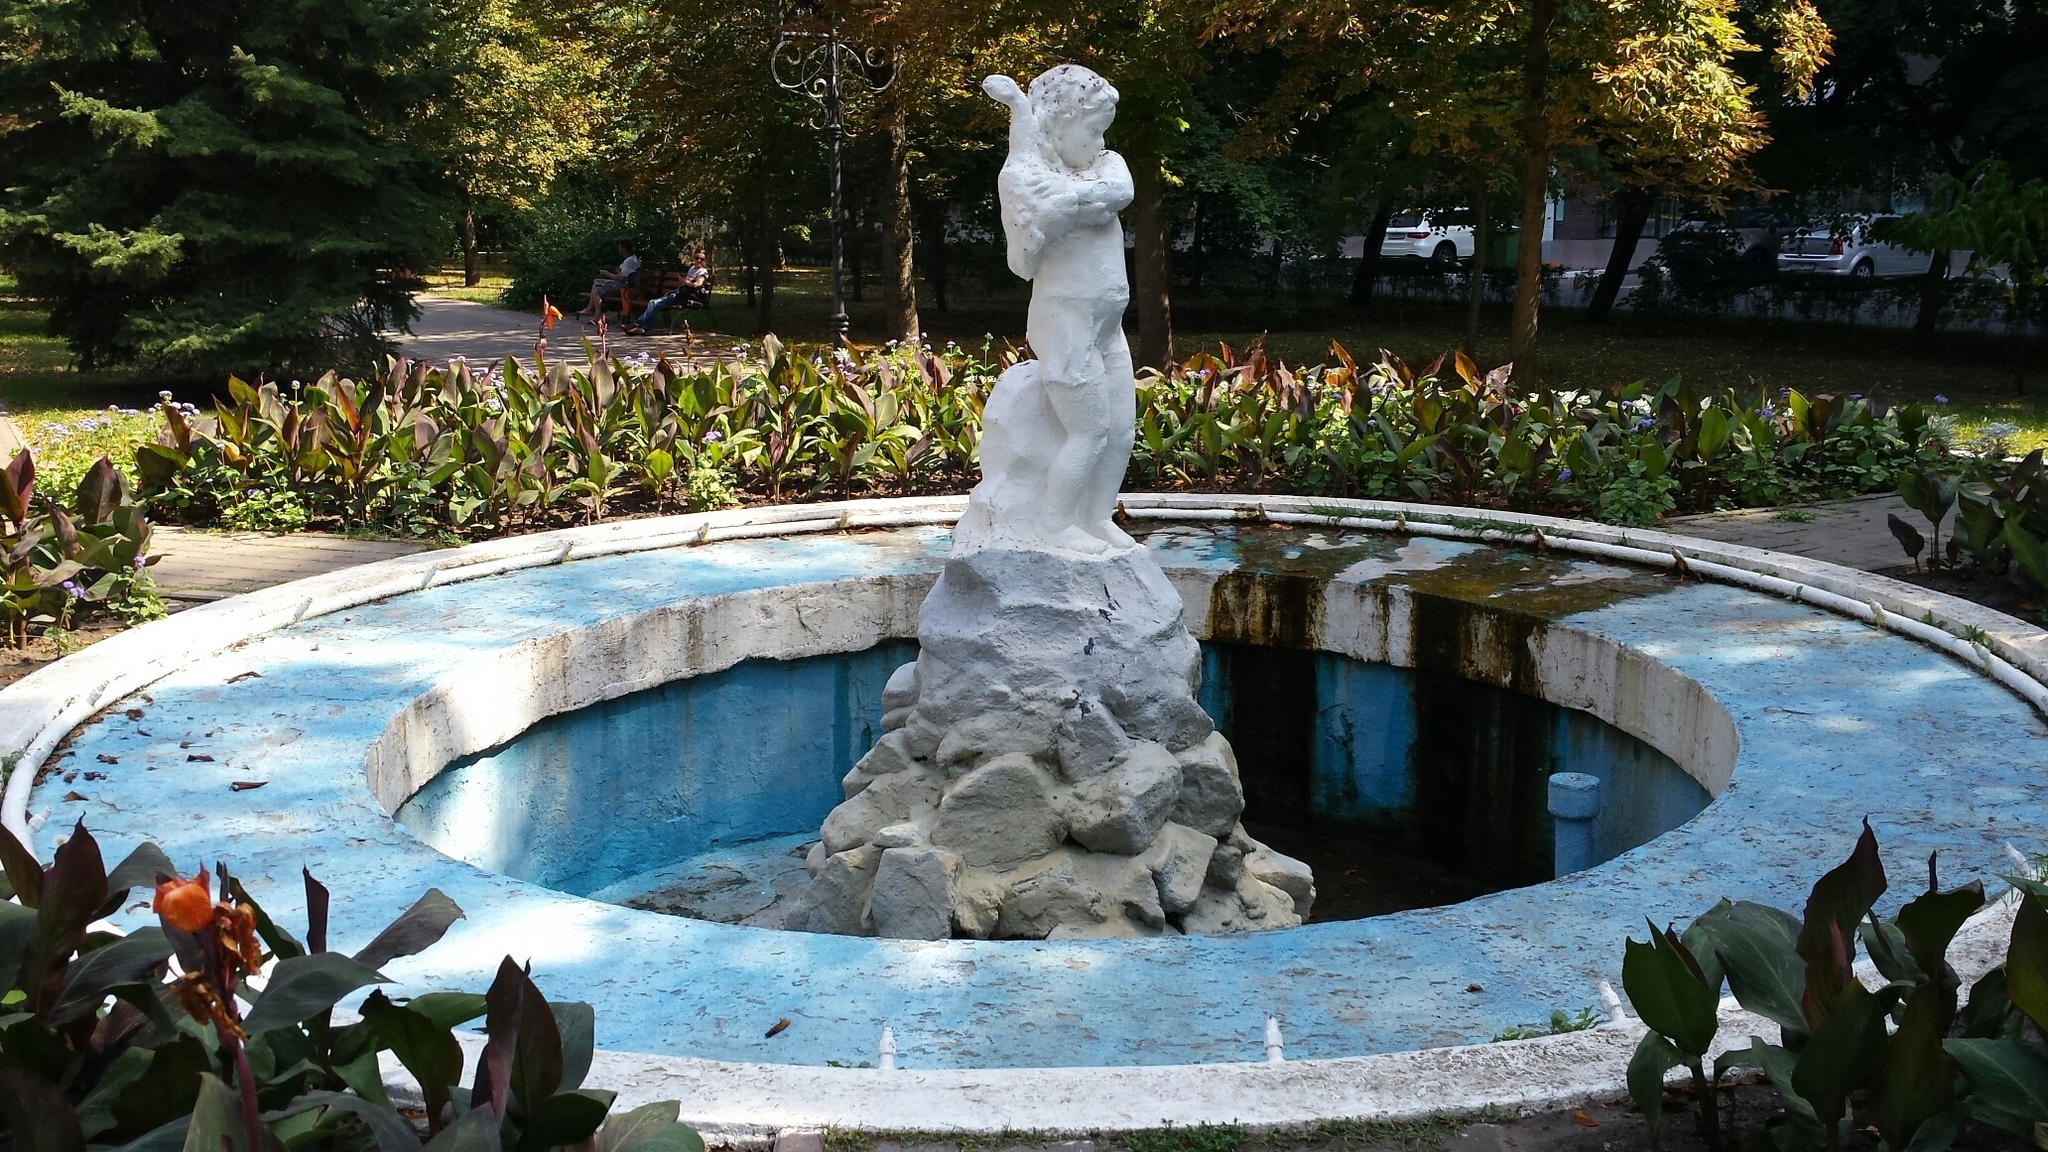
1908, 1059
103, 1044
216, 188
58, 562
425, 451
1561, 1022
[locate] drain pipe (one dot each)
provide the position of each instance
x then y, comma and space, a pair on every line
886, 1054
1275, 1047
1574, 802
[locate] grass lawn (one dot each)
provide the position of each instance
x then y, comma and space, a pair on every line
1570, 354
64, 414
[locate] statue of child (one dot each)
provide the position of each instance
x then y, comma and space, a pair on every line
1060, 190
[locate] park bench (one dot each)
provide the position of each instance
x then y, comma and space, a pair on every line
652, 284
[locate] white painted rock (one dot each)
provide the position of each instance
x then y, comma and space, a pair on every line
913, 894
1121, 810
1001, 814
1285, 873
1179, 862
1211, 795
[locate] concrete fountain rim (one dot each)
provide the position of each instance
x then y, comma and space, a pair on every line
742, 1099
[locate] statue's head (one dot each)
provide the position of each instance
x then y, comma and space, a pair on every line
1074, 108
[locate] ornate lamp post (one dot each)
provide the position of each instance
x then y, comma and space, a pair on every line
810, 58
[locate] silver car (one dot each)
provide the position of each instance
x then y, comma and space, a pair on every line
1427, 236
1860, 248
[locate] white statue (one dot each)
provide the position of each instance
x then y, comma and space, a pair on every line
1045, 769
1057, 430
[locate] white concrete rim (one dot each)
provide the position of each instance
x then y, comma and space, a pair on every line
747, 1101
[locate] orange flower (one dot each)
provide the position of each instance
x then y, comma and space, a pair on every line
186, 905
548, 313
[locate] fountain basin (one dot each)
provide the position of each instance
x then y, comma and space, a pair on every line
1797, 721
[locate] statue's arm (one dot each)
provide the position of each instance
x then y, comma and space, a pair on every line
1107, 193
1056, 202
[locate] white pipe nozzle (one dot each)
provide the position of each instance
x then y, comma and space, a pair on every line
887, 1052
1275, 1047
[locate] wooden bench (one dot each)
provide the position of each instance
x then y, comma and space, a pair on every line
650, 284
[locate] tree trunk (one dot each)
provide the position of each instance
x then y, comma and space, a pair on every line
2022, 293
899, 272
1535, 178
853, 259
1635, 214
935, 250
1149, 268
1368, 272
1928, 316
765, 249
1196, 254
1476, 281
472, 264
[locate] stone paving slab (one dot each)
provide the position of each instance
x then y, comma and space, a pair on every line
1847, 532
198, 566
449, 329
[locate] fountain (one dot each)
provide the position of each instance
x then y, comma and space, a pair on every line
1045, 769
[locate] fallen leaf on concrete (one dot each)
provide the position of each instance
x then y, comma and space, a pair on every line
239, 677
133, 713
246, 785
1580, 1118
779, 1026
106, 759
72, 796
1474, 988
199, 758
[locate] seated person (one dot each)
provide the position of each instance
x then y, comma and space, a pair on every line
609, 281
695, 292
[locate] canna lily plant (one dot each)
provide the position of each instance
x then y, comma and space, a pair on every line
216, 1028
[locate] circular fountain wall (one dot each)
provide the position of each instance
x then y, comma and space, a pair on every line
1797, 721
1403, 788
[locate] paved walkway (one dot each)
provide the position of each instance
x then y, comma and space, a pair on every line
198, 566
1850, 532
459, 329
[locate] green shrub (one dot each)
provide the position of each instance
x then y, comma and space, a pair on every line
1911, 1060
104, 1044
425, 451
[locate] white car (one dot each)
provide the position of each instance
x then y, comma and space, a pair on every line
1859, 248
1427, 236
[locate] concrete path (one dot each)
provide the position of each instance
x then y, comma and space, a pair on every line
459, 329
1849, 532
198, 566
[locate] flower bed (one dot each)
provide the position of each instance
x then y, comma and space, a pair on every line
424, 450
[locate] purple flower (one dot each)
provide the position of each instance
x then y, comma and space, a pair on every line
140, 561
1645, 422
71, 588
1855, 395
712, 437
1564, 475
1940, 399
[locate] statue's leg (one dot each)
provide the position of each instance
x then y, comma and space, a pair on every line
1120, 415
1063, 333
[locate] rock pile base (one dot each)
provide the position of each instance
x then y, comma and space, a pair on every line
1045, 772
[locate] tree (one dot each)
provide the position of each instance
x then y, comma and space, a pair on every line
217, 187
1549, 78
1149, 49
1915, 90
520, 104
2000, 221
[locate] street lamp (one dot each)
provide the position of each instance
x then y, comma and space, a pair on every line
809, 58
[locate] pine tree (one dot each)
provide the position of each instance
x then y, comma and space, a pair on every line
217, 185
